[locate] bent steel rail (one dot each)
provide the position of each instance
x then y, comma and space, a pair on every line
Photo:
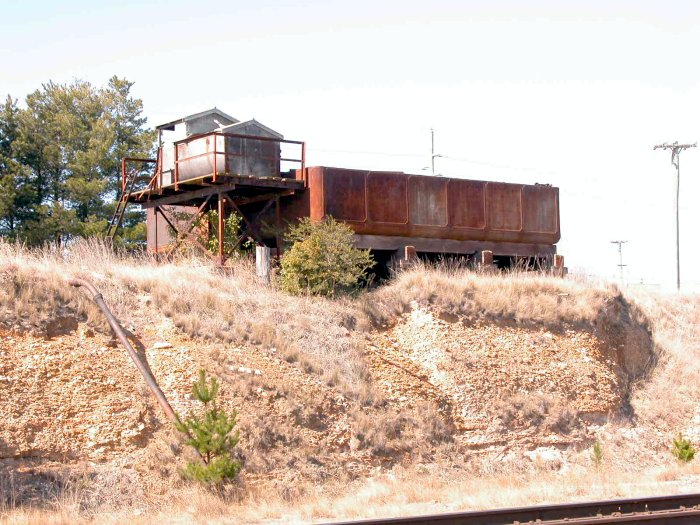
119, 332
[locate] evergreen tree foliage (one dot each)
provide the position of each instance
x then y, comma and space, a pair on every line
60, 160
322, 259
597, 454
683, 449
211, 433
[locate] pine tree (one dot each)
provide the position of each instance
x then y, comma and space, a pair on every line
210, 432
683, 449
60, 160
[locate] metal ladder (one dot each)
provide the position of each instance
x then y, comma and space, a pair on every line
130, 179
116, 221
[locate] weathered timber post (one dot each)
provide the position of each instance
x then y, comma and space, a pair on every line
410, 253
262, 263
559, 269
487, 259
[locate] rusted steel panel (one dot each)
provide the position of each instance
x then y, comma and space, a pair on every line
540, 209
344, 194
466, 203
386, 198
427, 201
504, 206
158, 233
315, 180
412, 206
434, 245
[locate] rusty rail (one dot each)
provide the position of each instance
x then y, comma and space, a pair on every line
677, 509
119, 332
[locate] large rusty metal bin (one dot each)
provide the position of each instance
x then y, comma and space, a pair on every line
398, 204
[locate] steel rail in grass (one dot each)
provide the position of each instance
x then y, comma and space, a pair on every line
678, 509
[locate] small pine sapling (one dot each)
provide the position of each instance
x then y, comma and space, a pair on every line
597, 454
210, 432
683, 449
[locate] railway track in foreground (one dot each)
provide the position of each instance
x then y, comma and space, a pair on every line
677, 510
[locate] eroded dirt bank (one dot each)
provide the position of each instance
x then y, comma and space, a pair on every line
478, 373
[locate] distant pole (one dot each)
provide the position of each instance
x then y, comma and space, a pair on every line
433, 155
622, 266
675, 160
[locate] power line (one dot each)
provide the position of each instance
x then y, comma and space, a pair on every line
446, 157
622, 266
352, 152
675, 160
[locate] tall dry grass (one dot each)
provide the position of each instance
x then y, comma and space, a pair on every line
669, 400
408, 491
518, 296
325, 338
228, 305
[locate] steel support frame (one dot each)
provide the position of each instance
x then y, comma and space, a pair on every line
224, 199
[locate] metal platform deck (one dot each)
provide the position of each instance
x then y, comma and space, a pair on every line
192, 192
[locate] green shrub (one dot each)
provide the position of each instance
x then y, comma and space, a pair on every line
232, 230
683, 449
206, 230
210, 432
322, 259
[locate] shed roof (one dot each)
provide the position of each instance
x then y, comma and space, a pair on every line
169, 126
231, 128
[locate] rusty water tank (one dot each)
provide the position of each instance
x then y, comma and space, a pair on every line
398, 204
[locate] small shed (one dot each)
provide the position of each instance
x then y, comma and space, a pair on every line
213, 142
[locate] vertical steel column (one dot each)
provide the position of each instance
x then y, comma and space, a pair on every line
159, 167
123, 174
213, 179
303, 163
177, 173
676, 201
278, 226
155, 230
221, 228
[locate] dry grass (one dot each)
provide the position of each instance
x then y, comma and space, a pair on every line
536, 410
428, 472
671, 396
401, 492
229, 305
517, 296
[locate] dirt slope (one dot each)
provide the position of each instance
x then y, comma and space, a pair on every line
433, 369
501, 383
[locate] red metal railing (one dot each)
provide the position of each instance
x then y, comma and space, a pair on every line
127, 175
156, 181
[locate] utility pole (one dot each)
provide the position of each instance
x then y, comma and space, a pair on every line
622, 266
433, 155
675, 160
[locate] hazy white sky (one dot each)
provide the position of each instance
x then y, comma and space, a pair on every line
570, 93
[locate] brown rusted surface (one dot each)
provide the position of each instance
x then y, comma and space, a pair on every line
433, 245
486, 258
402, 205
387, 210
159, 235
